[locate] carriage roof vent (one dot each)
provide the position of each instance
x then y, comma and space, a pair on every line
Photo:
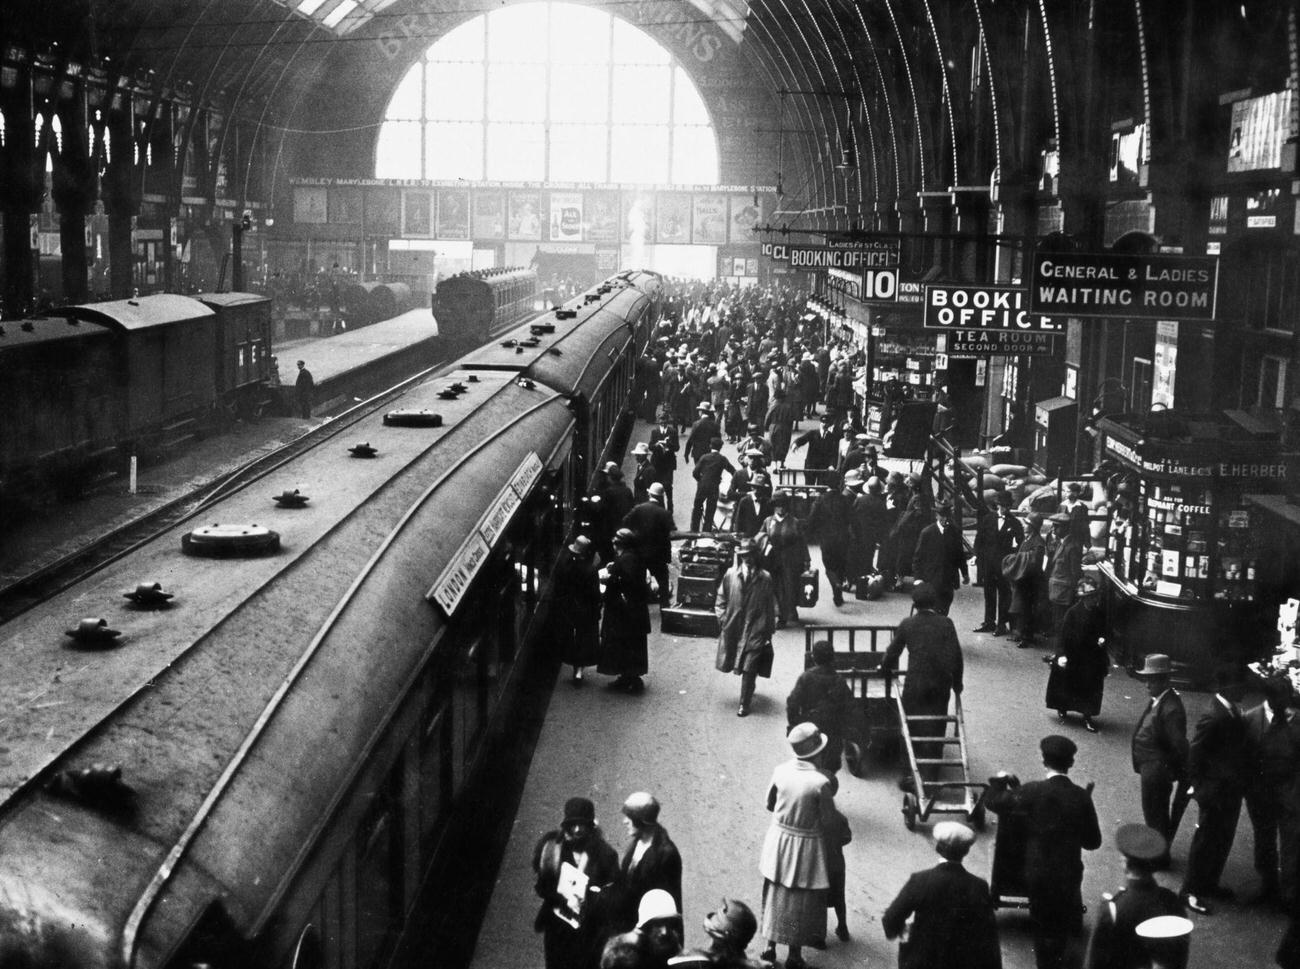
563, 314
230, 541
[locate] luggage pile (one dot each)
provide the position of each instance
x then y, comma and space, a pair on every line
702, 562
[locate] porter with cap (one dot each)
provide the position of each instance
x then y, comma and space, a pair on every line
1115, 942
951, 911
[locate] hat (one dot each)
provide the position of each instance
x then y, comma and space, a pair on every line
747, 547
1060, 518
656, 490
755, 426
913, 479
613, 470
656, 904
822, 652
580, 545
1034, 520
734, 921
1058, 750
753, 452
579, 809
760, 480
923, 595
641, 808
853, 479
862, 437
952, 839
1140, 843
1163, 928
704, 405
828, 417
1087, 585
641, 448
1155, 664
1003, 498
625, 536
806, 356
875, 485
806, 740
943, 508
781, 499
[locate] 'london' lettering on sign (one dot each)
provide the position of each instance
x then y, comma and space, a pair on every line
1125, 286
982, 308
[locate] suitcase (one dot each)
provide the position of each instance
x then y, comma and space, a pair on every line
697, 592
702, 570
809, 588
681, 621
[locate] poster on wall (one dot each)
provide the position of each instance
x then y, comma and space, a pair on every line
738, 266
607, 259
489, 215
417, 213
1165, 363
566, 217
453, 213
709, 220
525, 221
345, 205
310, 204
383, 211
602, 216
673, 225
638, 218
744, 216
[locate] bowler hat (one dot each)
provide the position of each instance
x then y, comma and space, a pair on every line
806, 740
1155, 664
641, 448
1003, 498
923, 595
1141, 843
612, 470
579, 809
580, 545
781, 499
1034, 520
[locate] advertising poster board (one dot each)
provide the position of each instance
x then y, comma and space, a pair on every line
744, 216
525, 220
489, 214
417, 213
709, 220
310, 204
602, 210
453, 213
566, 217
673, 225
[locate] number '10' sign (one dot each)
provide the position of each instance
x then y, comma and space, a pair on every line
880, 285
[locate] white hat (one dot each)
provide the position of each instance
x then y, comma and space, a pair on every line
656, 904
641, 448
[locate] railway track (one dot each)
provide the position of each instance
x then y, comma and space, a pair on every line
34, 588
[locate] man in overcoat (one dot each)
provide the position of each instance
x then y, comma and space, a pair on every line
939, 558
951, 910
645, 474
1217, 771
831, 526
746, 610
616, 500
934, 670
704, 430
1273, 738
998, 534
1060, 823
1160, 745
653, 526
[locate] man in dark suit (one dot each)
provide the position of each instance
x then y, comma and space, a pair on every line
703, 431
664, 446
708, 483
645, 474
1160, 745
653, 527
823, 444
616, 500
1115, 943
998, 534
934, 671
952, 914
650, 861
1273, 738
1060, 823
939, 558
1216, 770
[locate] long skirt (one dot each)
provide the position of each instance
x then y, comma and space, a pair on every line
793, 916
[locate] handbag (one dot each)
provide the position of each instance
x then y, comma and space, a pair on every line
809, 588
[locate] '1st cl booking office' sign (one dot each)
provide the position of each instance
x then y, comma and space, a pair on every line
1125, 286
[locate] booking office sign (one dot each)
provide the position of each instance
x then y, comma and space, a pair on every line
993, 320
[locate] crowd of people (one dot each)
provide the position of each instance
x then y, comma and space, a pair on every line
743, 368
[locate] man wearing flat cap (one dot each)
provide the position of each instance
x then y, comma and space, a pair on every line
793, 863
650, 861
575, 868
1060, 823
940, 558
952, 913
1115, 943
1159, 746
746, 608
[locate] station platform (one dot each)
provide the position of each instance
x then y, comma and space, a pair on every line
356, 363
682, 741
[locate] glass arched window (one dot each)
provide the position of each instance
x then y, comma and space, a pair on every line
548, 92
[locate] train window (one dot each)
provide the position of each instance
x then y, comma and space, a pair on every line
330, 919
435, 773
379, 871
466, 722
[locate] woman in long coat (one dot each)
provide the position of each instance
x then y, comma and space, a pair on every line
1078, 677
575, 609
746, 610
796, 876
626, 620
785, 556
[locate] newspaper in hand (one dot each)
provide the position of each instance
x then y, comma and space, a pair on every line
572, 887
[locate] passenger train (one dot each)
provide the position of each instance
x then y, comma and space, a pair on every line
264, 770
485, 301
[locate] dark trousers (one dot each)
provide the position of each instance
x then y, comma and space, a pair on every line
1275, 823
997, 599
703, 510
1157, 786
943, 595
1216, 826
1056, 911
660, 572
748, 680
304, 404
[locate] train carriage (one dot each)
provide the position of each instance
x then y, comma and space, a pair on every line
298, 731
484, 302
242, 351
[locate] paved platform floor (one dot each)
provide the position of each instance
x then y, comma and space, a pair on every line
681, 740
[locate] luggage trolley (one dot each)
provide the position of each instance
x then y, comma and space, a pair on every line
874, 728
928, 797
